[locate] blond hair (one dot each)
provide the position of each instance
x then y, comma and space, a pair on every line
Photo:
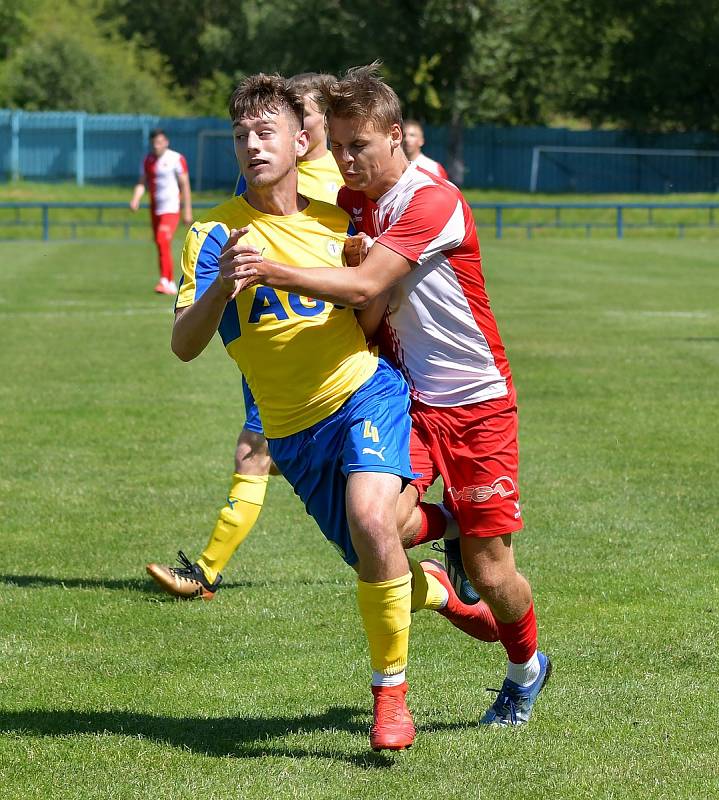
361, 93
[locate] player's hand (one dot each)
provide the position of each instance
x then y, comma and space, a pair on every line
187, 218
236, 261
134, 205
356, 249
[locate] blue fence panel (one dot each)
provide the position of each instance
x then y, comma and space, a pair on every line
110, 148
47, 145
114, 145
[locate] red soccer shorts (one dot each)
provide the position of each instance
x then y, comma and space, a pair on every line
474, 449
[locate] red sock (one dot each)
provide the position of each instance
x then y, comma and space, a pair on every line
164, 247
519, 638
433, 525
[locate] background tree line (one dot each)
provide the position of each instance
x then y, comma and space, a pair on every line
652, 65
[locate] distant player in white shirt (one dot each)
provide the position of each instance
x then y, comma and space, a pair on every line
412, 144
164, 173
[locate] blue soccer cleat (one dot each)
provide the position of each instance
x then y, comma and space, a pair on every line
514, 703
455, 569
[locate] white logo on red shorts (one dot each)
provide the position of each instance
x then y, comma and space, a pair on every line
502, 487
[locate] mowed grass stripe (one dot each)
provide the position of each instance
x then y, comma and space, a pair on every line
114, 454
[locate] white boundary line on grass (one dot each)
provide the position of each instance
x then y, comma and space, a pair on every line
662, 314
87, 312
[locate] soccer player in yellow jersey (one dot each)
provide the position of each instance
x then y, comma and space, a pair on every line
334, 415
320, 179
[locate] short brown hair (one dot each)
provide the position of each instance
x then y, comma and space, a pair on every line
262, 94
311, 83
362, 93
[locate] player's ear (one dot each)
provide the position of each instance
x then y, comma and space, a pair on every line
302, 143
395, 136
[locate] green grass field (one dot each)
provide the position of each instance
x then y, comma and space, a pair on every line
114, 454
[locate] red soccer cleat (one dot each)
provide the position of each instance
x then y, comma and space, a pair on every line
393, 728
476, 620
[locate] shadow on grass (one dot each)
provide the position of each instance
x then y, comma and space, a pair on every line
236, 737
145, 586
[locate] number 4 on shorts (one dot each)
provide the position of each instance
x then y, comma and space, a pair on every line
370, 431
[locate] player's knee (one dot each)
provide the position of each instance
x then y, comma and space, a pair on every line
408, 527
408, 516
374, 525
490, 578
252, 455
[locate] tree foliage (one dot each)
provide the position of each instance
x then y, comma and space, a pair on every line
605, 62
67, 60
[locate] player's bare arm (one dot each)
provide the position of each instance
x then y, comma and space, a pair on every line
137, 193
372, 314
357, 287
184, 184
196, 325
356, 249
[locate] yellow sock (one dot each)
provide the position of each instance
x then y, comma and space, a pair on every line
427, 591
385, 611
244, 503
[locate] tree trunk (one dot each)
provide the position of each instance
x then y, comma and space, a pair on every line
455, 149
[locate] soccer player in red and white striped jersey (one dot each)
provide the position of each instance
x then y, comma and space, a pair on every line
165, 175
422, 280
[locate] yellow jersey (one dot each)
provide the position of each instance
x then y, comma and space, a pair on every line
302, 358
319, 179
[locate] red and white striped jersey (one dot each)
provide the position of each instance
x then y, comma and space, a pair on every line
161, 176
425, 162
439, 327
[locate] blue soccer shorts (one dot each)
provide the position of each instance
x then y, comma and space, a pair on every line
369, 433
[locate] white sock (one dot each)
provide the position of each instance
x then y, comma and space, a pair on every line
452, 531
380, 679
524, 674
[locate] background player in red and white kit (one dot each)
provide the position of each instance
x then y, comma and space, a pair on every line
413, 142
164, 173
424, 268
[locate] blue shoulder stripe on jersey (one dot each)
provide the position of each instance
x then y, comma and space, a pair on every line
351, 230
206, 269
241, 185
207, 264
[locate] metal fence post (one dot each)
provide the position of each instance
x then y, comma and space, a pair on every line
45, 223
15, 145
80, 148
498, 221
620, 223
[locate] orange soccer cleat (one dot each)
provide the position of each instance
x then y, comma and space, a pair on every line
393, 728
476, 620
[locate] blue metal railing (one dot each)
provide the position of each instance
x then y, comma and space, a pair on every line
502, 220
124, 221
503, 217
